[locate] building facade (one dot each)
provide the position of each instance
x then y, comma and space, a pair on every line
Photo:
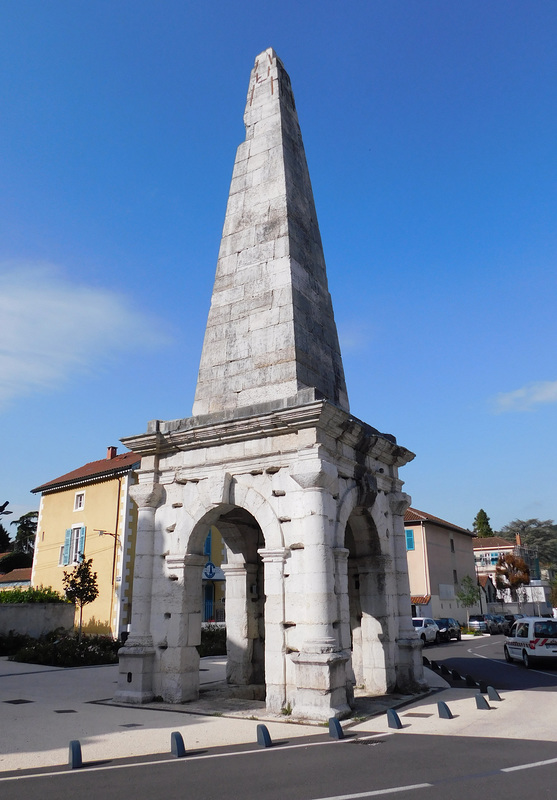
439, 556
89, 513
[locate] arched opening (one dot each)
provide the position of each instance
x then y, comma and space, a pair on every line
244, 597
367, 602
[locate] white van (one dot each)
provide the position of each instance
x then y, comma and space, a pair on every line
531, 638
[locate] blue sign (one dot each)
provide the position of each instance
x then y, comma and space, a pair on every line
209, 571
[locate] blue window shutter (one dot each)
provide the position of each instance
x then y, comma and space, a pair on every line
207, 548
409, 539
67, 544
81, 545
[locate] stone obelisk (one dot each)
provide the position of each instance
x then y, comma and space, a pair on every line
271, 331
306, 497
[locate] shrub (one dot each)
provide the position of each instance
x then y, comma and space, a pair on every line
61, 649
213, 640
33, 594
11, 642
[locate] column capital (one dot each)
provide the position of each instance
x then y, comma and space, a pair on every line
276, 555
399, 502
147, 495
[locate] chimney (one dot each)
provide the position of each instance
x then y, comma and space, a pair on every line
518, 540
111, 453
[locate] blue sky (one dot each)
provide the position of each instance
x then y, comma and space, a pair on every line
430, 132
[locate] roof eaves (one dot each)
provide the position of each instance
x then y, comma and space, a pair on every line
84, 480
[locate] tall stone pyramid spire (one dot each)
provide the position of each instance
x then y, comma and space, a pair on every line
271, 331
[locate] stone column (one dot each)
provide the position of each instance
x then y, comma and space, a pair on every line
320, 667
275, 665
181, 662
319, 480
135, 683
409, 666
375, 645
241, 624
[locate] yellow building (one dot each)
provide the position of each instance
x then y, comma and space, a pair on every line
88, 513
213, 577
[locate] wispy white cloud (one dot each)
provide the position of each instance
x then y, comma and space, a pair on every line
528, 397
354, 336
52, 328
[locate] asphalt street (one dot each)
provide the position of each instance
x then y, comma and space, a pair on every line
508, 751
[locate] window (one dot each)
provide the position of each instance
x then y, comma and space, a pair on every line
207, 547
455, 576
409, 539
452, 545
79, 501
73, 548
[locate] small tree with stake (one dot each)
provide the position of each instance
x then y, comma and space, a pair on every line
468, 595
81, 586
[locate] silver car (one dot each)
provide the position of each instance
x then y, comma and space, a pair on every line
427, 629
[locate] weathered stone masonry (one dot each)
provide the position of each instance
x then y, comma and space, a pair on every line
306, 496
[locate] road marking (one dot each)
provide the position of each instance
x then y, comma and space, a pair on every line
530, 766
278, 748
377, 792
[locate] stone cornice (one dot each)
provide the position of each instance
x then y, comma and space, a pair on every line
198, 432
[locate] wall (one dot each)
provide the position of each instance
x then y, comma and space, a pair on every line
100, 512
35, 619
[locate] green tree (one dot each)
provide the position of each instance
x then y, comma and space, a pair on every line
15, 560
511, 573
468, 595
481, 524
538, 533
80, 585
26, 532
6, 543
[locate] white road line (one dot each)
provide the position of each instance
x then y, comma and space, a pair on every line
530, 766
106, 767
377, 792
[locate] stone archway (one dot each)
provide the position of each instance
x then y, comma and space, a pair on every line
367, 601
245, 600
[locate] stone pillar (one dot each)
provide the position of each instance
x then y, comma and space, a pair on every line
275, 665
319, 480
241, 622
135, 682
181, 660
343, 613
409, 666
375, 620
320, 667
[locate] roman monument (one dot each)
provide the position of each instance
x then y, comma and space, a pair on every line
307, 497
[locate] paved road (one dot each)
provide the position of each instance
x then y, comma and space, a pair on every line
444, 768
501, 753
483, 659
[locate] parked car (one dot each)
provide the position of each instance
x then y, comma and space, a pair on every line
449, 629
510, 619
426, 629
500, 620
485, 623
532, 639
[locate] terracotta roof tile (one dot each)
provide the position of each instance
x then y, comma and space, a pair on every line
420, 599
492, 542
106, 467
23, 574
413, 515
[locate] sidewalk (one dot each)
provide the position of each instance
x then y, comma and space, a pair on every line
44, 708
